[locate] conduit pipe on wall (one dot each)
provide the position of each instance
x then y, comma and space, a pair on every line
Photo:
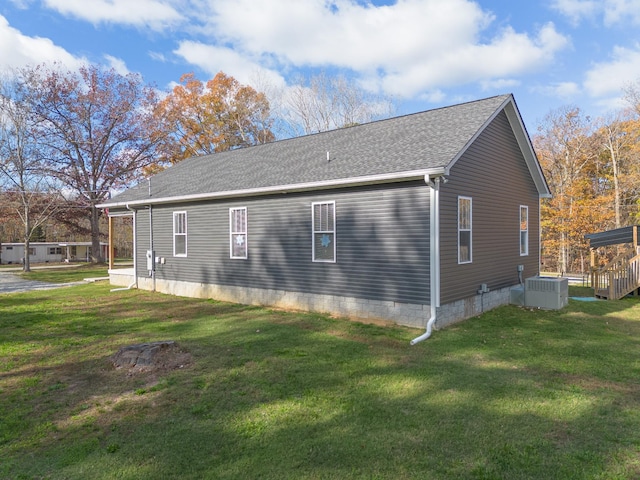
434, 253
134, 283
153, 260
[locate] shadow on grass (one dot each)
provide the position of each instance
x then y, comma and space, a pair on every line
512, 394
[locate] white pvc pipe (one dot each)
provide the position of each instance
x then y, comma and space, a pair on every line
430, 323
434, 255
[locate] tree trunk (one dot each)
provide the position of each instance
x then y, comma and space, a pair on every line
26, 265
96, 250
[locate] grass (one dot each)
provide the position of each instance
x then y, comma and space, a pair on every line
513, 394
73, 273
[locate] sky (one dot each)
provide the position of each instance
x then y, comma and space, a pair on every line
423, 53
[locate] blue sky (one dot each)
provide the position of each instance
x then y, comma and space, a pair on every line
424, 53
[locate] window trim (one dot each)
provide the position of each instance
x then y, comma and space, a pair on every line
175, 234
525, 231
332, 231
233, 232
470, 230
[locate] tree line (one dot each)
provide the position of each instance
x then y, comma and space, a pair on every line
70, 138
592, 166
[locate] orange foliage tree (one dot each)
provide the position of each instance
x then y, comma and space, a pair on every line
569, 158
213, 117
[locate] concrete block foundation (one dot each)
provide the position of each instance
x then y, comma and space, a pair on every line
407, 314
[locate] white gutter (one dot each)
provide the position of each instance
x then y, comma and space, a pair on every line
434, 255
134, 283
277, 189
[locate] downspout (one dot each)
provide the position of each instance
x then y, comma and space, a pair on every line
134, 283
434, 254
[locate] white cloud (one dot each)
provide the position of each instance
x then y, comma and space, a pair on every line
22, 4
619, 11
566, 91
407, 48
158, 56
613, 12
117, 64
609, 78
212, 60
154, 14
18, 50
348, 35
504, 84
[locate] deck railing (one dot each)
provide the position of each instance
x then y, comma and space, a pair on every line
618, 278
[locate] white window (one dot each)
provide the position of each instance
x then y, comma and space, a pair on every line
55, 250
324, 232
524, 230
238, 232
179, 234
464, 230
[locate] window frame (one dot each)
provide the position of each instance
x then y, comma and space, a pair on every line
315, 231
524, 231
233, 231
461, 230
176, 234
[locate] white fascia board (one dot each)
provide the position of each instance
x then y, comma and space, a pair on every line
522, 137
277, 189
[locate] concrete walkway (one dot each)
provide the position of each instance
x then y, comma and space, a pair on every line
10, 283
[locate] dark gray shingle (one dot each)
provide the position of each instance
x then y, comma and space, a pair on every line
420, 141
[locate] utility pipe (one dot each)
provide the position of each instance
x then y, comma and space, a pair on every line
153, 260
434, 254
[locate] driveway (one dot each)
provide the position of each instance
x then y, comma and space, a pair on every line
10, 283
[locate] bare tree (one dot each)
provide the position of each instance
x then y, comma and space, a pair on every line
617, 138
29, 191
632, 96
99, 131
322, 102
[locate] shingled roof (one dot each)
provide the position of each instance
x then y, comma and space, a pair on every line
387, 150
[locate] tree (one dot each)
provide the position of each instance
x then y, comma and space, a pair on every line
213, 117
617, 138
568, 158
320, 103
29, 191
99, 130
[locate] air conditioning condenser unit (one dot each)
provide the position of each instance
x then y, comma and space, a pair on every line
546, 292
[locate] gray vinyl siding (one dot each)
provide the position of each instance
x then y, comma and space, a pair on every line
494, 174
382, 236
142, 241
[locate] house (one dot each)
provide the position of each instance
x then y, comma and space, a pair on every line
422, 220
47, 252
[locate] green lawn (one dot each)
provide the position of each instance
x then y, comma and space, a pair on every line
512, 394
71, 273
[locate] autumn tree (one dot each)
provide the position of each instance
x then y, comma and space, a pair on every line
321, 102
29, 191
632, 97
618, 140
568, 157
213, 117
99, 130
